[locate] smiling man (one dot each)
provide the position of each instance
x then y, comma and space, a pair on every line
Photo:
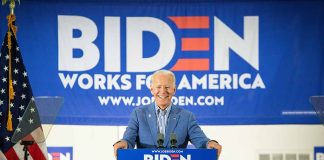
163, 118
163, 88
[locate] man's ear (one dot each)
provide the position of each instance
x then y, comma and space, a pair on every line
175, 90
151, 89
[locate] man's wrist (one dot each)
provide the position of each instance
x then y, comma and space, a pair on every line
122, 141
213, 141
116, 142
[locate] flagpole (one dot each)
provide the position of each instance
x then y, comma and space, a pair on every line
12, 7
11, 29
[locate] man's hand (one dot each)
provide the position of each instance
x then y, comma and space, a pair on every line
215, 145
122, 144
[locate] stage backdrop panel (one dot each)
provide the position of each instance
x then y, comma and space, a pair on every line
236, 62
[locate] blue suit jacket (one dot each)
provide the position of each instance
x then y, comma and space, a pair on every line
142, 128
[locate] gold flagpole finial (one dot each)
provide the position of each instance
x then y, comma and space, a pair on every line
12, 5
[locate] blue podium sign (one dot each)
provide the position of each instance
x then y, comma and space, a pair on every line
167, 154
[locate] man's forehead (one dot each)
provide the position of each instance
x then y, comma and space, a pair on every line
163, 80
163, 74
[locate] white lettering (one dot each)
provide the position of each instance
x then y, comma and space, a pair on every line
112, 81
242, 81
225, 80
66, 43
210, 101
134, 30
100, 81
221, 81
148, 156
164, 157
184, 83
112, 44
258, 83
199, 82
140, 80
85, 81
124, 82
226, 38
183, 158
213, 81
68, 80
67, 156
183, 100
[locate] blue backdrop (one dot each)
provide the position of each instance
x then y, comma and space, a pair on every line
236, 62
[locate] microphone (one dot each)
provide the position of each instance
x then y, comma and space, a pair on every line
160, 140
173, 140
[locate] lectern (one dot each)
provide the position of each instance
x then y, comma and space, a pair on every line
167, 154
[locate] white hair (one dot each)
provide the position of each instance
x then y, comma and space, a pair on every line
165, 72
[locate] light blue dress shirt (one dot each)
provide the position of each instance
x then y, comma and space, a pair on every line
162, 118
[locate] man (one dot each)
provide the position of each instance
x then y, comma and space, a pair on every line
165, 118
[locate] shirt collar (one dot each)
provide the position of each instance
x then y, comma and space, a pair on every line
168, 109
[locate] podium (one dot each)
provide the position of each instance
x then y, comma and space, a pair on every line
167, 154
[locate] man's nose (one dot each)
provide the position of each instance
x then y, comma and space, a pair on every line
163, 89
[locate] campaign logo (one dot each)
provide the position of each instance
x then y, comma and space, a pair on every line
60, 153
319, 153
182, 44
174, 156
246, 47
195, 51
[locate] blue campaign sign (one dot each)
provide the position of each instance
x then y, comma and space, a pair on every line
60, 153
167, 154
235, 63
319, 153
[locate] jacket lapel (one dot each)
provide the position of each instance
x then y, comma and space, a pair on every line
151, 120
171, 124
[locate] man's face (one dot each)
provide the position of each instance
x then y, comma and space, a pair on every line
162, 88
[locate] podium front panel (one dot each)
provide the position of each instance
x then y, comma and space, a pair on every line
167, 154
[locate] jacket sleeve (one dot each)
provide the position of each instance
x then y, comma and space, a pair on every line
196, 136
131, 132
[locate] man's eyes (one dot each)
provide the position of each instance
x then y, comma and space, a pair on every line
158, 87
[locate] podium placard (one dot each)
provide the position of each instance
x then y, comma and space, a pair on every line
167, 154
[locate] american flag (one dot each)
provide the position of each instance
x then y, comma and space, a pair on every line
27, 117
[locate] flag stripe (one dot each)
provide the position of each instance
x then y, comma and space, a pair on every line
2, 156
38, 136
11, 154
36, 152
43, 148
18, 148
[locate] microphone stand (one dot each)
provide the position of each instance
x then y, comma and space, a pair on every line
160, 140
25, 149
173, 140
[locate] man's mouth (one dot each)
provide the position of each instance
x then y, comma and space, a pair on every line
163, 97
